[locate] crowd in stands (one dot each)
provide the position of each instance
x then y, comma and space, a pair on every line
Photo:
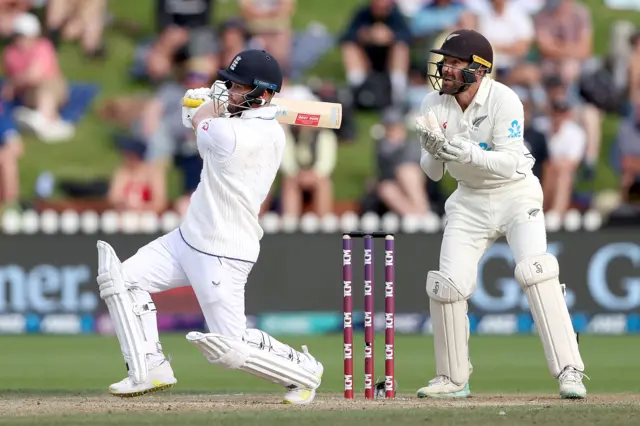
543, 49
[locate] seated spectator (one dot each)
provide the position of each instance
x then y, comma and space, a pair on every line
160, 123
134, 186
10, 151
75, 20
530, 7
9, 11
564, 36
511, 33
401, 183
435, 17
628, 141
269, 22
567, 145
34, 79
377, 41
185, 30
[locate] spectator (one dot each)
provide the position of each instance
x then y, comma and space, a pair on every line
10, 152
401, 183
309, 159
185, 31
530, 7
35, 80
269, 21
564, 36
534, 139
628, 141
234, 38
78, 20
189, 165
634, 70
567, 146
436, 17
377, 41
9, 11
133, 187
511, 33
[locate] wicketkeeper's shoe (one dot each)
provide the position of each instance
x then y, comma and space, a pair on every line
160, 377
571, 386
443, 387
302, 396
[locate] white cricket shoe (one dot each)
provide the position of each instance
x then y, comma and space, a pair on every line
160, 377
571, 386
302, 396
443, 387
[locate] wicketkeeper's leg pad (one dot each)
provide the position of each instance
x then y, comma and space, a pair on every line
538, 278
450, 328
127, 308
260, 361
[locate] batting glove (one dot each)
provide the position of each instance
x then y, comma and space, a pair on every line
431, 135
457, 149
203, 95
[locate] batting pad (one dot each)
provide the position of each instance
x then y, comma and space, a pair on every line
124, 312
450, 328
538, 277
237, 355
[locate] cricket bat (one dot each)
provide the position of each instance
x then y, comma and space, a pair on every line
327, 115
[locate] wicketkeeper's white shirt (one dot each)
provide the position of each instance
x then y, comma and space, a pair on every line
494, 121
241, 159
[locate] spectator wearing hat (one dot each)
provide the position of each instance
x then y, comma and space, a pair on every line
34, 79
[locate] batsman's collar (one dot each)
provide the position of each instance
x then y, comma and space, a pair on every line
266, 112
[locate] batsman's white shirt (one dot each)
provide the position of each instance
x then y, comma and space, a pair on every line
498, 194
241, 159
217, 244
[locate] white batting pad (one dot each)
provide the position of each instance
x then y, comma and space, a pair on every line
237, 355
450, 328
538, 277
125, 312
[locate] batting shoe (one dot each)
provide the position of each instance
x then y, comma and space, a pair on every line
302, 396
160, 377
571, 386
443, 387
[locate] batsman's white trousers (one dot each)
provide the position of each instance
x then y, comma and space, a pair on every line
218, 283
475, 218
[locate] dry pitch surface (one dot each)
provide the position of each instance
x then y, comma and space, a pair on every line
73, 405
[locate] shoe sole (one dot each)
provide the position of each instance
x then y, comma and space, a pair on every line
460, 394
464, 393
161, 387
573, 395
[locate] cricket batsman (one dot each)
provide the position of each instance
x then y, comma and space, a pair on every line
471, 126
216, 245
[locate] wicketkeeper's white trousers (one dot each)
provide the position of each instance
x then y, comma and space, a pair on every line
218, 282
475, 218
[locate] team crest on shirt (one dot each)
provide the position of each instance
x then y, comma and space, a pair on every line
515, 131
477, 121
205, 126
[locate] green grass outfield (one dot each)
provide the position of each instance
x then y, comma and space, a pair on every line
91, 155
63, 380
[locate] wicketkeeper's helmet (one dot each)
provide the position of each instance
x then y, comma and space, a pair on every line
467, 45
